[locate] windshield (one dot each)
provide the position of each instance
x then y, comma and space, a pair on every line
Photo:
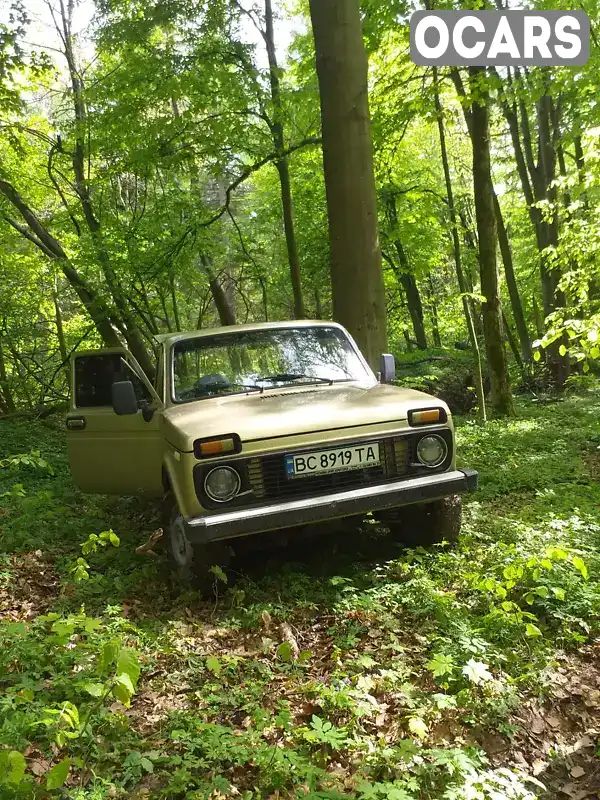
261, 360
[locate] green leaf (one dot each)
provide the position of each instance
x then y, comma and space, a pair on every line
218, 572
558, 592
214, 665
441, 665
128, 663
542, 591
417, 726
579, 564
109, 653
532, 630
284, 651
95, 689
557, 553
147, 765
57, 776
91, 624
562, 350
123, 688
15, 628
477, 672
114, 539
537, 355
12, 767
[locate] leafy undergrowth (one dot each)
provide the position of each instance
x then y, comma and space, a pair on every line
342, 667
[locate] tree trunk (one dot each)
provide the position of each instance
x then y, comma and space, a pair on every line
224, 309
406, 278
501, 397
282, 165
537, 316
60, 334
415, 307
36, 233
318, 305
5, 392
174, 304
356, 275
510, 338
537, 181
511, 283
467, 302
435, 328
552, 297
130, 328
580, 161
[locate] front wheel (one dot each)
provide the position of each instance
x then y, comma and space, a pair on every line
426, 524
192, 563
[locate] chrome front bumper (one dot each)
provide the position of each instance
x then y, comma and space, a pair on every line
247, 521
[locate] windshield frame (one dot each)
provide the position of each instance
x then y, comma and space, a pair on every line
369, 376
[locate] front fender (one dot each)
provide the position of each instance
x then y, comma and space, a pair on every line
179, 470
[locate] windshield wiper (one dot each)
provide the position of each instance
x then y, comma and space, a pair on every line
212, 387
294, 376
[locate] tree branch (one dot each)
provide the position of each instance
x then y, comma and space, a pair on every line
28, 235
254, 168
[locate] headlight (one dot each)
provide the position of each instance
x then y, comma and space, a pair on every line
222, 484
432, 450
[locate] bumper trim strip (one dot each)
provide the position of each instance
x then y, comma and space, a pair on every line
247, 521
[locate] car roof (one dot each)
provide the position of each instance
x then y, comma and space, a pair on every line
171, 338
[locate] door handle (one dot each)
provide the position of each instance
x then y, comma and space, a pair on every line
76, 423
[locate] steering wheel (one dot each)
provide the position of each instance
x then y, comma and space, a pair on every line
214, 381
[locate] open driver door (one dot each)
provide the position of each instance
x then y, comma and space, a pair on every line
111, 453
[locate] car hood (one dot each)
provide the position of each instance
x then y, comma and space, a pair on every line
291, 411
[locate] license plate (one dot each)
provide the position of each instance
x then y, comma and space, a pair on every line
339, 460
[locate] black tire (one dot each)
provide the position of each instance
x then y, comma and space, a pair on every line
426, 524
191, 563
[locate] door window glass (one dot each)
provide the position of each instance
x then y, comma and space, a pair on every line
94, 376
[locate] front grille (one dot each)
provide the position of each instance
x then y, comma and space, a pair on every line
264, 478
269, 480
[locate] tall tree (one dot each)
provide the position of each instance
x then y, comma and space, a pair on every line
467, 303
356, 273
537, 177
282, 163
483, 188
503, 240
404, 274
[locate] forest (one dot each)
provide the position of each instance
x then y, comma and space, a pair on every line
175, 165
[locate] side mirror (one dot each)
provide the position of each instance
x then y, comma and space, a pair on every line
124, 400
387, 368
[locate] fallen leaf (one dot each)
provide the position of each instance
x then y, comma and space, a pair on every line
538, 725
538, 766
553, 721
580, 744
266, 620
577, 772
39, 767
288, 636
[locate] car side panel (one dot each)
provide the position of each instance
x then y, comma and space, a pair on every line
116, 455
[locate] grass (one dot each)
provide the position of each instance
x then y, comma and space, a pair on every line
342, 668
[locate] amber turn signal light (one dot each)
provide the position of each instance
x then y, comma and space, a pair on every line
427, 416
217, 445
